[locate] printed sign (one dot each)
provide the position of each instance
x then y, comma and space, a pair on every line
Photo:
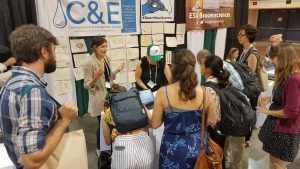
157, 10
90, 17
209, 14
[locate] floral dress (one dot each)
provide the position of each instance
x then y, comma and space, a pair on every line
181, 138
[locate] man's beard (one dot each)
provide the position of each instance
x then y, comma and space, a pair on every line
50, 66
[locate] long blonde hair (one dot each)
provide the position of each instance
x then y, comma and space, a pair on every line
288, 63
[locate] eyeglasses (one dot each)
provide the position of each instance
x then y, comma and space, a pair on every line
240, 35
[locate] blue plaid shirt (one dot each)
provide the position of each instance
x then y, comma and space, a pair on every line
25, 120
234, 78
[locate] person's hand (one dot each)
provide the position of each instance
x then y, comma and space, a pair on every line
10, 62
263, 101
121, 66
97, 73
262, 110
67, 111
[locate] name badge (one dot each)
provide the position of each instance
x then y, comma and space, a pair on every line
107, 85
151, 84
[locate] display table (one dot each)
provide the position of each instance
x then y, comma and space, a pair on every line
5, 162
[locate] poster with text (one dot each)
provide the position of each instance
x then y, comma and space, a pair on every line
157, 10
90, 17
209, 14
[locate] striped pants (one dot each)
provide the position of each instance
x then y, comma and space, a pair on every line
133, 152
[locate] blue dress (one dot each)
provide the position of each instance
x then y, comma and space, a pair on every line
181, 138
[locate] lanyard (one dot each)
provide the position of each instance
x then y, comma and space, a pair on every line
107, 68
155, 73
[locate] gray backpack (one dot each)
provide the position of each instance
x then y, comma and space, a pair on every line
127, 110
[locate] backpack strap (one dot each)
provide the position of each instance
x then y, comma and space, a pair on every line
27, 89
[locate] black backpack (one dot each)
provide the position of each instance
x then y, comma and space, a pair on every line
127, 110
251, 85
237, 116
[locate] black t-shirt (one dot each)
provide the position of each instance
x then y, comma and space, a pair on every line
160, 80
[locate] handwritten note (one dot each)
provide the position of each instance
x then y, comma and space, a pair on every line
114, 64
121, 77
157, 28
78, 73
171, 41
131, 77
62, 57
161, 48
60, 64
158, 39
180, 39
146, 28
132, 64
169, 28
132, 41
132, 53
116, 41
62, 87
168, 57
146, 40
180, 28
80, 59
117, 54
78, 45
62, 74
64, 45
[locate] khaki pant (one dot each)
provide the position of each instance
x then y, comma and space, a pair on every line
237, 147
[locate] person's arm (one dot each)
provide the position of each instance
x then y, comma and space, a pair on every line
168, 73
32, 131
138, 75
3, 77
155, 119
252, 62
292, 103
91, 75
210, 108
106, 132
9, 62
275, 113
115, 72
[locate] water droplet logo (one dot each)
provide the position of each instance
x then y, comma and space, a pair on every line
59, 19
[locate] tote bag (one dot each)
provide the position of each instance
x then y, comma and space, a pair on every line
69, 153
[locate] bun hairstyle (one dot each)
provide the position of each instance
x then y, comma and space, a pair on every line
215, 63
276, 38
250, 31
183, 71
97, 41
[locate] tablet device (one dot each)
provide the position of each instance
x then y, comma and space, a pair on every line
147, 98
